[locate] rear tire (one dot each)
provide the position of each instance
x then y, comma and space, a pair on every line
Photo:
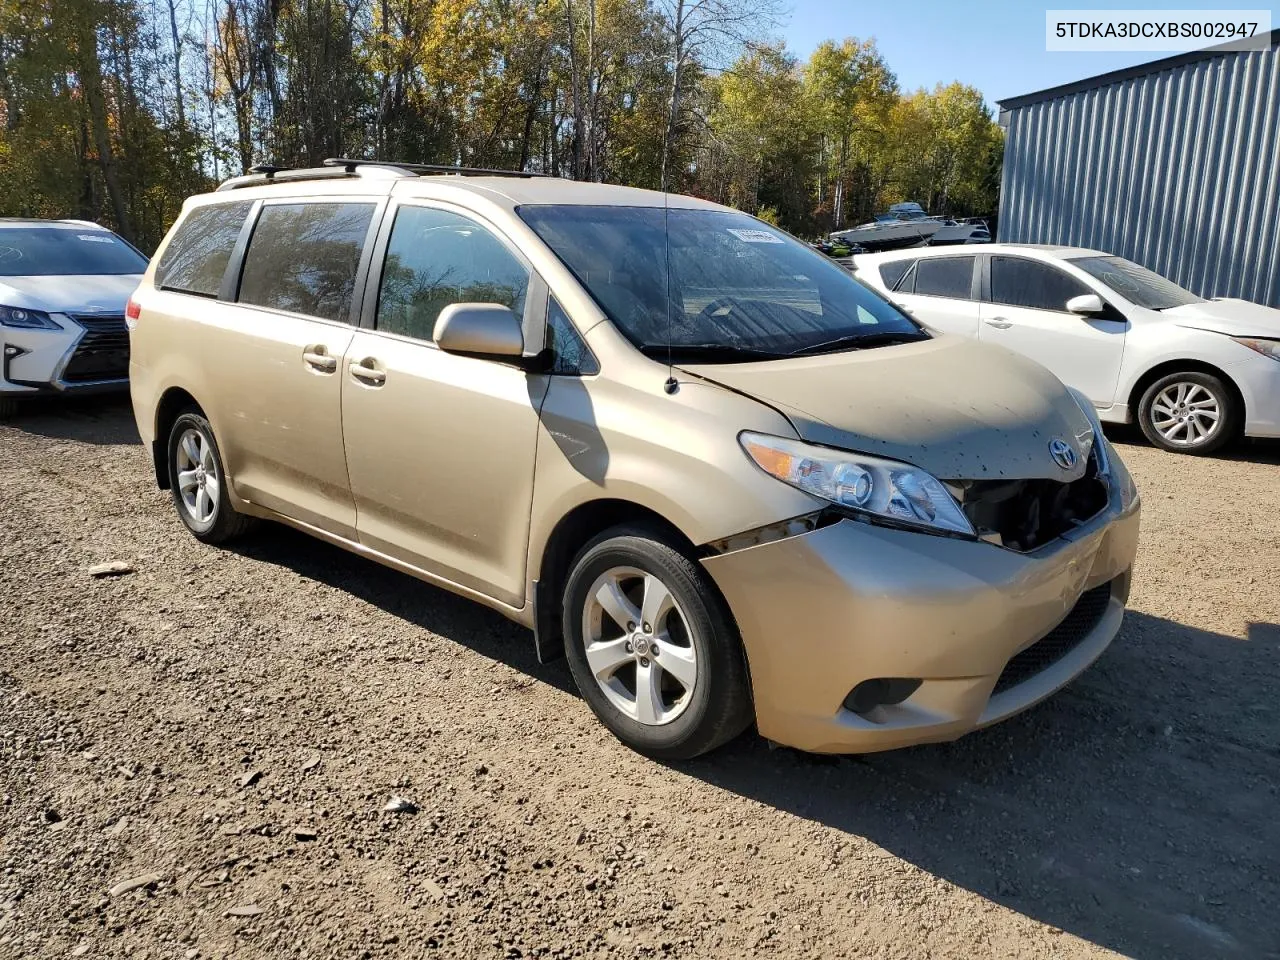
198, 482
1189, 412
671, 681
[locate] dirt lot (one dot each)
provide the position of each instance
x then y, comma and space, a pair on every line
234, 723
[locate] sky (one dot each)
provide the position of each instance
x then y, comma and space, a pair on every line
994, 45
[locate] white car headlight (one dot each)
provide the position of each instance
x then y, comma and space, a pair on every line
27, 319
873, 486
1268, 348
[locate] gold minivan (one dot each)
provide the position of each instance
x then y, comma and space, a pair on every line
729, 481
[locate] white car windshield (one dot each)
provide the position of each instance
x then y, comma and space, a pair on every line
61, 252
714, 285
1137, 284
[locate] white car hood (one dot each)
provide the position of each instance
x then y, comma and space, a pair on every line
1235, 318
79, 294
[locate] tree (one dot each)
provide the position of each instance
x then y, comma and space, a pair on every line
943, 144
704, 33
116, 110
850, 92
760, 135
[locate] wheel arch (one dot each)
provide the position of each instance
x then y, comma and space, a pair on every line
1183, 366
569, 535
172, 403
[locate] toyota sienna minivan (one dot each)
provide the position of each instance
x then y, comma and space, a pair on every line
730, 482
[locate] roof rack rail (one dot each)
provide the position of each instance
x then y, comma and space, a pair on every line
265, 174
352, 166
266, 169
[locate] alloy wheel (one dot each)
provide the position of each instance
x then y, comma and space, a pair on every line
197, 471
638, 646
1186, 414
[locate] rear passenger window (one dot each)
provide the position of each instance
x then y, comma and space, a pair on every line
197, 256
891, 273
945, 277
1030, 283
436, 258
303, 258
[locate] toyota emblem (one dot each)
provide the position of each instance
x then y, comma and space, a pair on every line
1063, 454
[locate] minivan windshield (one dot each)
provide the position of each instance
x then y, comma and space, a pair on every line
62, 252
714, 286
1137, 284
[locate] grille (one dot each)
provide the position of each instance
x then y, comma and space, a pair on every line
1023, 515
1060, 641
103, 351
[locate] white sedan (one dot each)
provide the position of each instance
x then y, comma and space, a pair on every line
1193, 372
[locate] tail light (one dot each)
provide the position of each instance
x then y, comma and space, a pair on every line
132, 311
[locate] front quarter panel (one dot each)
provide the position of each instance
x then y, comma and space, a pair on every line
675, 454
1156, 341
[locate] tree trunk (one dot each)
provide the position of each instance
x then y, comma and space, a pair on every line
531, 114
575, 78
673, 98
90, 70
177, 64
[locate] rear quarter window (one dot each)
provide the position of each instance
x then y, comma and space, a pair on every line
197, 256
891, 273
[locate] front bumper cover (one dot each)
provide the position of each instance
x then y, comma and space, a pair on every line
33, 362
823, 611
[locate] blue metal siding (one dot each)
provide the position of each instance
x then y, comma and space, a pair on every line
1178, 170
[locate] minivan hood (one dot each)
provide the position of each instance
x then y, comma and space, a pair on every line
79, 294
957, 408
1235, 318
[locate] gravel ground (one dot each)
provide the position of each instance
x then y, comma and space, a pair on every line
223, 730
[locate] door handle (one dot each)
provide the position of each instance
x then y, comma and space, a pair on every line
364, 372
317, 356
1000, 323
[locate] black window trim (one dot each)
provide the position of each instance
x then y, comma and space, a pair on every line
1110, 311
975, 277
902, 280
534, 320
231, 280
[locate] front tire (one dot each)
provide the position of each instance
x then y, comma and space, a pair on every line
651, 646
1189, 412
8, 408
198, 481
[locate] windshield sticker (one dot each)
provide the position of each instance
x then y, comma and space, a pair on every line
754, 236
91, 238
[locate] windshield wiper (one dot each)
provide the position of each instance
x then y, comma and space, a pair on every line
710, 352
861, 342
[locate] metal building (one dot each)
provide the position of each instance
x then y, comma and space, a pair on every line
1174, 164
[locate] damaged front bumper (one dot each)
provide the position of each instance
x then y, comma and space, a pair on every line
824, 611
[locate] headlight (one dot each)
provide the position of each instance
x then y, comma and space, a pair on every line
1109, 463
1124, 483
26, 319
886, 489
1268, 348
